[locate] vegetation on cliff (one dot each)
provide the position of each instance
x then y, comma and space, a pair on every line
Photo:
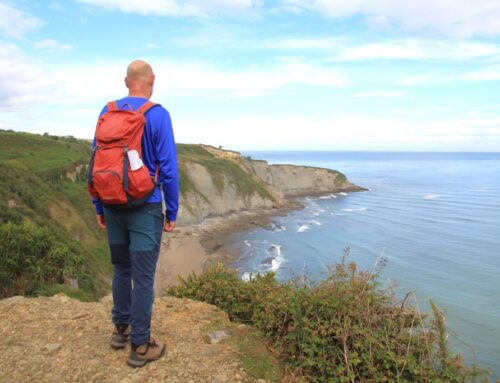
46, 219
342, 329
220, 171
43, 183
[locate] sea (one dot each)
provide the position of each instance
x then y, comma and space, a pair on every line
433, 217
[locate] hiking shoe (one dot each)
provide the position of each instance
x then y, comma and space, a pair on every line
119, 339
145, 353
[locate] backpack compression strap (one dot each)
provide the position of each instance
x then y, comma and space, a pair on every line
113, 105
145, 107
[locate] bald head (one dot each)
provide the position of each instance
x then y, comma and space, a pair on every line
140, 79
138, 68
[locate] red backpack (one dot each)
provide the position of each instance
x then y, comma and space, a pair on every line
116, 174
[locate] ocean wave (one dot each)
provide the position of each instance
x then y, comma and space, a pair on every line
276, 249
342, 193
302, 228
432, 196
355, 210
274, 259
317, 223
328, 196
279, 259
247, 243
275, 226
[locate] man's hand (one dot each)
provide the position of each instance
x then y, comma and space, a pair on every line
101, 221
169, 226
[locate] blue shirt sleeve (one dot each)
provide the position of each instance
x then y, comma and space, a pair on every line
168, 176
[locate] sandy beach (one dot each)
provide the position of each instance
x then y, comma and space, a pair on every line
191, 248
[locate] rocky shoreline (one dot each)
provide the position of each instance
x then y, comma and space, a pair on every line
192, 247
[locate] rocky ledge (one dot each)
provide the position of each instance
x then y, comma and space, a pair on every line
59, 339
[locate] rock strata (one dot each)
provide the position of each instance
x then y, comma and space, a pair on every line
214, 194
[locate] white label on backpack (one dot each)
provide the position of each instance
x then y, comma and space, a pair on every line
134, 160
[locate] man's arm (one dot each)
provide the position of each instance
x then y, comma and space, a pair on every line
168, 177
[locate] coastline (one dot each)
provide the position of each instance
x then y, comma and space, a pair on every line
191, 248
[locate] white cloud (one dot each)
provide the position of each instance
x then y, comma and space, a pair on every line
419, 49
488, 74
300, 43
196, 8
198, 76
152, 46
53, 45
22, 80
461, 18
380, 94
30, 87
420, 79
346, 132
17, 23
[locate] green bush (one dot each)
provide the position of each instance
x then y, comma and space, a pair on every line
31, 258
342, 329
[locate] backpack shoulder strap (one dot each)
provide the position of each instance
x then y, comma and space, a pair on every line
112, 105
145, 107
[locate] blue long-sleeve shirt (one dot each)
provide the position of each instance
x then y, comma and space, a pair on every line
158, 147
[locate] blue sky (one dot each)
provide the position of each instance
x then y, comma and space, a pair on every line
257, 74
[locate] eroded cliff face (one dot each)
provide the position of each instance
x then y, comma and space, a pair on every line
294, 181
249, 185
206, 199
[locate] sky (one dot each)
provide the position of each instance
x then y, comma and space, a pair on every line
420, 75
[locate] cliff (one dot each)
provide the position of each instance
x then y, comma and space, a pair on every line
219, 182
43, 184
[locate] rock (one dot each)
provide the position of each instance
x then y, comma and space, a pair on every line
216, 336
53, 347
210, 352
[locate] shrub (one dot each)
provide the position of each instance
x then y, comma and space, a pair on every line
31, 257
342, 329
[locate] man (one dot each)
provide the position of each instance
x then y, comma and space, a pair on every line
135, 235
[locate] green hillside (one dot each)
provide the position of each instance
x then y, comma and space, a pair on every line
43, 197
42, 193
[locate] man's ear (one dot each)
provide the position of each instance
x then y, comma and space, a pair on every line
152, 80
126, 81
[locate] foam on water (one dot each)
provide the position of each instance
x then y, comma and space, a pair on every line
432, 196
355, 209
278, 259
439, 231
303, 228
330, 196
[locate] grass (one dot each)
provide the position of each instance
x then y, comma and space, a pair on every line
34, 188
251, 346
222, 171
257, 361
342, 329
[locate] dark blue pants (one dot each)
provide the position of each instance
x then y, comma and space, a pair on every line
134, 240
